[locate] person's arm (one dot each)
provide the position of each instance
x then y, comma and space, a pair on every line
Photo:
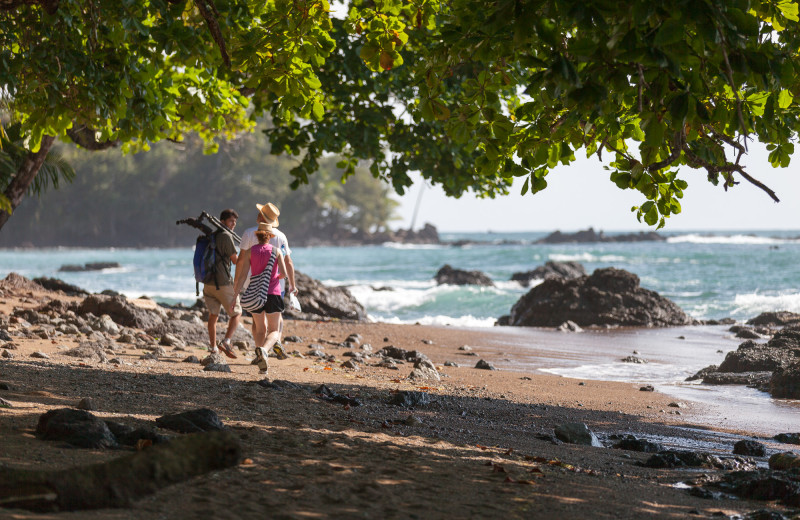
290, 274
282, 264
234, 258
242, 268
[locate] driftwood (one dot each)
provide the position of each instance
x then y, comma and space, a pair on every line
117, 483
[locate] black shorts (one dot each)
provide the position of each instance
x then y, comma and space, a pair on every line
274, 304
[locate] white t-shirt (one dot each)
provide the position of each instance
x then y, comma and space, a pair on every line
279, 241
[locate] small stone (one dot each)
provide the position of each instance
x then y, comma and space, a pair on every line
576, 433
412, 420
191, 359
647, 388
784, 461
427, 341
115, 361
292, 339
5, 386
677, 405
217, 367
86, 404
465, 348
40, 355
450, 364
484, 365
5, 404
351, 364
8, 355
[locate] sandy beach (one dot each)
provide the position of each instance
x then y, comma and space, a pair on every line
483, 447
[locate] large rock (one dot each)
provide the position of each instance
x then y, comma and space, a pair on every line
776, 319
773, 366
54, 284
121, 311
780, 351
550, 269
451, 276
589, 235
318, 300
608, 297
76, 427
785, 382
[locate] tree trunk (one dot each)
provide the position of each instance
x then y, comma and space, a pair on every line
24, 177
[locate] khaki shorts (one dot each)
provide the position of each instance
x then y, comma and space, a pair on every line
222, 297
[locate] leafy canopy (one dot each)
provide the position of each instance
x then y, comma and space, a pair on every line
471, 93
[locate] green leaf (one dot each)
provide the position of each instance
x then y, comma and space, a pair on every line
671, 31
679, 108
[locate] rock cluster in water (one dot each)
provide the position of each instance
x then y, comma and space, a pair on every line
609, 297
773, 366
550, 269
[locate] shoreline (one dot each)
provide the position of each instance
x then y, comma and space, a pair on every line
483, 447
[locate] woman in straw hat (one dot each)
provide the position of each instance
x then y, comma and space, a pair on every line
266, 320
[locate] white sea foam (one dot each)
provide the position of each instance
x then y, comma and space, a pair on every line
696, 238
644, 373
752, 304
398, 298
468, 321
586, 257
395, 245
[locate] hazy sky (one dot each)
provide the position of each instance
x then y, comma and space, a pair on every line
581, 195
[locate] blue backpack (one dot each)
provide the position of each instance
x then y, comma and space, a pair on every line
205, 260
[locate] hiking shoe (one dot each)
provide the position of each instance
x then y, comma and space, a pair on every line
279, 352
226, 348
261, 356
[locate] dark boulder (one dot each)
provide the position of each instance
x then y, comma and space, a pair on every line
54, 284
449, 275
779, 352
776, 319
121, 311
608, 297
76, 427
92, 266
749, 448
590, 235
550, 269
788, 438
193, 421
785, 382
630, 442
320, 301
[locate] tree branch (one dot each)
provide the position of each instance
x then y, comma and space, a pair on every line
677, 145
209, 12
727, 170
86, 137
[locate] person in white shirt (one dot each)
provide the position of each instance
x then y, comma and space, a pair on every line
269, 214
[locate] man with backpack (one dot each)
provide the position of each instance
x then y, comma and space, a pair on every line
218, 285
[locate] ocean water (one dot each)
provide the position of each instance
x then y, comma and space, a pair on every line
710, 275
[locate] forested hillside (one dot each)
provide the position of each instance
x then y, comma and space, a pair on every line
134, 200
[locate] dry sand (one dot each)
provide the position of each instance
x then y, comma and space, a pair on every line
481, 449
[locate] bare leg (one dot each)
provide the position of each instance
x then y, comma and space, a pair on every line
259, 328
233, 323
273, 329
212, 330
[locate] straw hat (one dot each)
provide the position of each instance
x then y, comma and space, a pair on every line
263, 226
269, 212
